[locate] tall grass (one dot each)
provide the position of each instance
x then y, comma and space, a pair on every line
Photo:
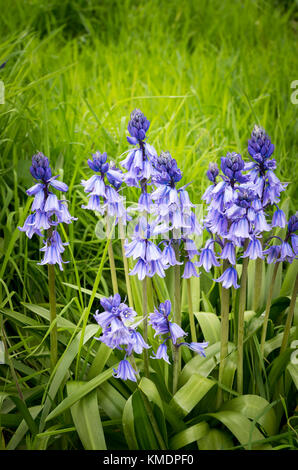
202, 72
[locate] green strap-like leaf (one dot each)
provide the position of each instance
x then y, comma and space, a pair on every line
256, 408
86, 388
216, 439
86, 418
210, 325
63, 368
188, 396
128, 425
242, 428
189, 435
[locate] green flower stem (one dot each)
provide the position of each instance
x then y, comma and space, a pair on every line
87, 310
242, 304
52, 301
190, 312
112, 265
152, 420
289, 319
145, 327
125, 264
267, 311
177, 318
7, 357
148, 407
258, 283
224, 333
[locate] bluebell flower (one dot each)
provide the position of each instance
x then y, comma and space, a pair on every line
161, 353
138, 161
207, 257
273, 253
190, 270
104, 197
30, 227
53, 248
212, 172
197, 347
254, 249
278, 219
263, 179
229, 252
228, 278
137, 127
159, 320
48, 210
260, 146
149, 256
232, 166
125, 371
119, 332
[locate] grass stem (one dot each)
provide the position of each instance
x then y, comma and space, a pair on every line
190, 312
145, 327
224, 334
177, 318
125, 265
289, 319
267, 311
53, 314
112, 265
240, 339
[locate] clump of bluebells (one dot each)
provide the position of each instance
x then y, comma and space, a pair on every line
169, 332
287, 249
174, 208
142, 249
47, 210
238, 202
119, 332
140, 170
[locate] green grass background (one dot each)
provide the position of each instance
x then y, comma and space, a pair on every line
203, 72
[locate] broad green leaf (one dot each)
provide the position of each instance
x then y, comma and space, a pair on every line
99, 361
86, 388
44, 313
215, 439
189, 435
128, 425
278, 366
293, 371
110, 400
86, 418
142, 424
289, 279
149, 389
275, 342
22, 429
203, 365
62, 369
85, 291
242, 428
188, 396
256, 408
208, 307
210, 325
229, 373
